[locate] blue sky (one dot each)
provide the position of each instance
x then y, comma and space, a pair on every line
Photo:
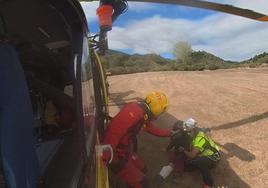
156, 28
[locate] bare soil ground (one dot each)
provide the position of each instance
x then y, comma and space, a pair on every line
233, 103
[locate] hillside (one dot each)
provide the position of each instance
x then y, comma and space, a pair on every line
256, 61
121, 63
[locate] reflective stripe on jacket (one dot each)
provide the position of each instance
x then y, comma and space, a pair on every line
204, 144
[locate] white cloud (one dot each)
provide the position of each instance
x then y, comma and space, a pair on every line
90, 10
227, 36
139, 7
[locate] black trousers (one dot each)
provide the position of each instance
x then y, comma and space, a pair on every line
203, 164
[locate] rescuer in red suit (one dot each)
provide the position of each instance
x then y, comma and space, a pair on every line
121, 134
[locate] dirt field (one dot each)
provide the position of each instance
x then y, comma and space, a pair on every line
233, 103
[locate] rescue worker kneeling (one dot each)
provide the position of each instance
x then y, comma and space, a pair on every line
204, 154
121, 134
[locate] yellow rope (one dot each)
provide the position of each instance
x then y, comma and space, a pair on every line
102, 177
104, 89
102, 171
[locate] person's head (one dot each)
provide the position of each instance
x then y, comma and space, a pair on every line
178, 126
157, 102
177, 129
189, 125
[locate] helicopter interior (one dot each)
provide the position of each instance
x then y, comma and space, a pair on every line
48, 37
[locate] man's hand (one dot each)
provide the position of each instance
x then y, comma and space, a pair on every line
180, 149
173, 133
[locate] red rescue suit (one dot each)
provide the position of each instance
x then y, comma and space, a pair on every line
121, 134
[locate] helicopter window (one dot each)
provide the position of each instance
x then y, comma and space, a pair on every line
86, 64
88, 97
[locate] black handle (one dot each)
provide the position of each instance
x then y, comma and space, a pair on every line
103, 42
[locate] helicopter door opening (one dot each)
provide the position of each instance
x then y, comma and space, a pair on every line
46, 36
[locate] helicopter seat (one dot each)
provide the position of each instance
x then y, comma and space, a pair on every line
18, 157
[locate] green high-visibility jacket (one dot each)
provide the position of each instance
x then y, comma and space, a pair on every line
204, 144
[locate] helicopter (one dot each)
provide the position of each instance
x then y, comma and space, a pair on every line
60, 64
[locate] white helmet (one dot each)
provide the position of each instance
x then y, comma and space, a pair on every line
189, 124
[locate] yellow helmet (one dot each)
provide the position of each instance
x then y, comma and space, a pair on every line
157, 102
